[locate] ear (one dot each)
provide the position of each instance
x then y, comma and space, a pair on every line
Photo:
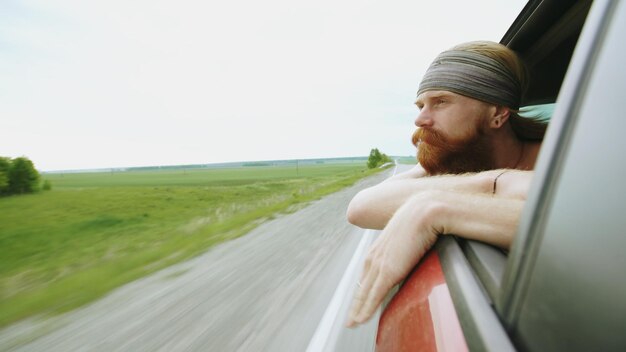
499, 116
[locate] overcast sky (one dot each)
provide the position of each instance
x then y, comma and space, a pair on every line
96, 84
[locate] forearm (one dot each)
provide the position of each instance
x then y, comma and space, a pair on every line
374, 206
484, 218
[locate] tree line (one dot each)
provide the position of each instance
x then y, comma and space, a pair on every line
19, 176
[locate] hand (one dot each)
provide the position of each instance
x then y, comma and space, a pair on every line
399, 248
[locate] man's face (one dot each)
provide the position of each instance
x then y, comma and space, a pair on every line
453, 134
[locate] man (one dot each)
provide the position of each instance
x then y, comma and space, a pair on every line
474, 154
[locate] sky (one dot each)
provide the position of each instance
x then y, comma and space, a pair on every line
120, 83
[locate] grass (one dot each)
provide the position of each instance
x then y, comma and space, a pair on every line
93, 232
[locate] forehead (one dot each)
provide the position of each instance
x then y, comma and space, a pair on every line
439, 94
435, 94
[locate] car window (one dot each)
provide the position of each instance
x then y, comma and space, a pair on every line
547, 176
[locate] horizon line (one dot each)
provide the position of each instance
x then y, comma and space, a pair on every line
226, 163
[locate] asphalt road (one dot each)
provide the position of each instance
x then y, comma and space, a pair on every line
265, 291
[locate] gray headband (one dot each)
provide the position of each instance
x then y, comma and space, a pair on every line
473, 75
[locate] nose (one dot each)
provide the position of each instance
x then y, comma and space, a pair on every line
423, 118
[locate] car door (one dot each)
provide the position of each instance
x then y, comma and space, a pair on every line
564, 288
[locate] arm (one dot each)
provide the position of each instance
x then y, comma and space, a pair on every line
374, 206
415, 227
416, 172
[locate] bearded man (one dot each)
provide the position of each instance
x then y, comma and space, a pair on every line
475, 155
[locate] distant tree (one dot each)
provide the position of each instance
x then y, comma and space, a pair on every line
4, 182
374, 158
384, 159
5, 164
23, 177
46, 186
377, 158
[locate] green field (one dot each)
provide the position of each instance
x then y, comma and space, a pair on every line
96, 231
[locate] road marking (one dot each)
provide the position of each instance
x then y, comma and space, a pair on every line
321, 338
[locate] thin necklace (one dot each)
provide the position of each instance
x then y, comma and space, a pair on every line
521, 154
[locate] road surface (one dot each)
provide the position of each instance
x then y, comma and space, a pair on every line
265, 291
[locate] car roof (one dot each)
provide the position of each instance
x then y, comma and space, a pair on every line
545, 34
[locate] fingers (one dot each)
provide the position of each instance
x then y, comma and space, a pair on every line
370, 301
361, 294
382, 286
374, 284
388, 261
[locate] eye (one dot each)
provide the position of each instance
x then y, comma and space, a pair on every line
441, 101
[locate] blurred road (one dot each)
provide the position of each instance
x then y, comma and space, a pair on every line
266, 291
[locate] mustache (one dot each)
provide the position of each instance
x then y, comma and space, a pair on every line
416, 137
431, 137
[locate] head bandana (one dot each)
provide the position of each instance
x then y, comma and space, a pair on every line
473, 75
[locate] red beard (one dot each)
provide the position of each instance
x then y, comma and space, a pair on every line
440, 155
